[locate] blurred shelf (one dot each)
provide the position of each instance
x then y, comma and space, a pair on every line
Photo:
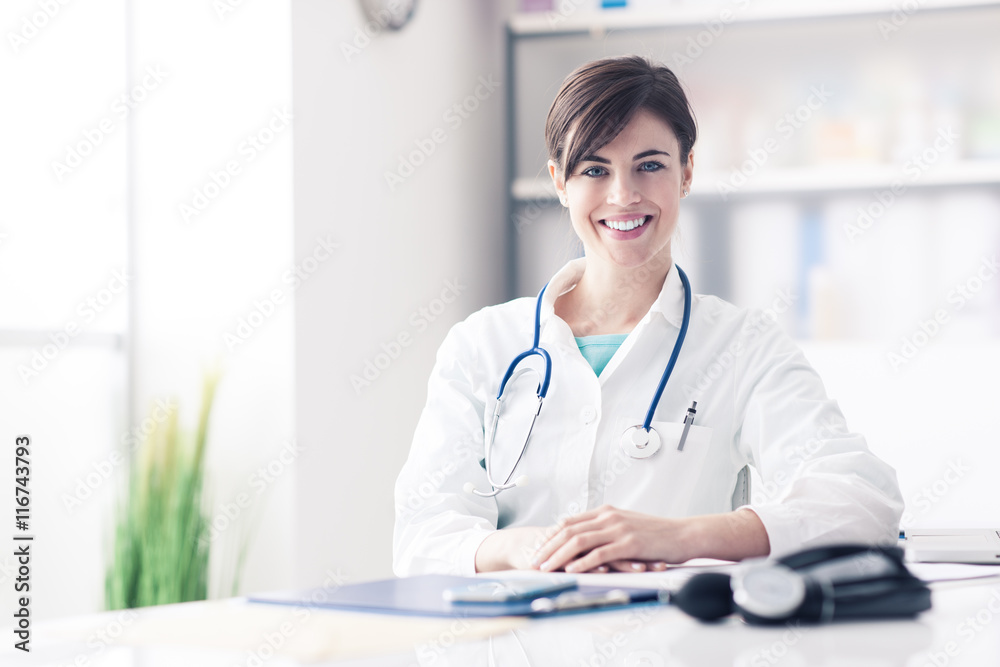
594, 21
792, 182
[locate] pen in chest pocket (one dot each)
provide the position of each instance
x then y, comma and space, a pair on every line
688, 420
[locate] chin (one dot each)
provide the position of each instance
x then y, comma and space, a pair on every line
637, 258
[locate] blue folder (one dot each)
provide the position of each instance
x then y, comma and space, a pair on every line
422, 596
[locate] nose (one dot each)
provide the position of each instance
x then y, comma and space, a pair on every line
622, 190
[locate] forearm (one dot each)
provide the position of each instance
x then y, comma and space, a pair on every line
509, 549
729, 536
491, 555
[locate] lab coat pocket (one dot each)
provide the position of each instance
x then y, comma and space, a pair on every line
666, 483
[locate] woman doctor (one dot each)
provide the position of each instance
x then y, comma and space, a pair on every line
593, 489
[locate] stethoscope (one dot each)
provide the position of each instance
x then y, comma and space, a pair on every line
640, 441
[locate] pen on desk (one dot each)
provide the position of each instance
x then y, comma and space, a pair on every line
578, 600
688, 420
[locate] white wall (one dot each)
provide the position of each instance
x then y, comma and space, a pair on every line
200, 272
356, 114
61, 241
198, 83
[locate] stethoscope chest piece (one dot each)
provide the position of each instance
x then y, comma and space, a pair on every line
639, 443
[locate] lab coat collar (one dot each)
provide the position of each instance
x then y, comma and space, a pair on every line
669, 304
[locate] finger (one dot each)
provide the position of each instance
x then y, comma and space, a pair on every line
600, 569
657, 566
552, 531
628, 566
603, 518
573, 548
559, 540
603, 555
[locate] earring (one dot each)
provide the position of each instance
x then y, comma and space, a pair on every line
684, 192
562, 200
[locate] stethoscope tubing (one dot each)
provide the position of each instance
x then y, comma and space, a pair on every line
681, 335
543, 386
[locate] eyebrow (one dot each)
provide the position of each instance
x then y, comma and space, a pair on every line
637, 156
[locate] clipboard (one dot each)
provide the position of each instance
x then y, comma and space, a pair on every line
422, 595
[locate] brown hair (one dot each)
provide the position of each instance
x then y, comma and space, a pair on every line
598, 99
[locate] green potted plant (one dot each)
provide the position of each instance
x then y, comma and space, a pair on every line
160, 546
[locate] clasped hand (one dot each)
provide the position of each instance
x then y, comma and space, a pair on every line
608, 538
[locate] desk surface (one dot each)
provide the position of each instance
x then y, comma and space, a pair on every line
962, 628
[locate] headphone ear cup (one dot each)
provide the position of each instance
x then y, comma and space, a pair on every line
706, 596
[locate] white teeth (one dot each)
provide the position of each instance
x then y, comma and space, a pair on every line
626, 225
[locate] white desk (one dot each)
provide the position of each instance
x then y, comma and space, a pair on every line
962, 628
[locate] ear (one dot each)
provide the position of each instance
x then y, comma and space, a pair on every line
558, 180
688, 173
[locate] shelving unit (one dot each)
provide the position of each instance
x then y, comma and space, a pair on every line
857, 299
675, 15
806, 181
853, 150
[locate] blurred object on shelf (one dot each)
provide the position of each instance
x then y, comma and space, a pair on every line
535, 5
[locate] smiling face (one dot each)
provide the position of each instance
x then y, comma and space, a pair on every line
624, 198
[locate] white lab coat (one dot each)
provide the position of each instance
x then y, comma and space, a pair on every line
759, 403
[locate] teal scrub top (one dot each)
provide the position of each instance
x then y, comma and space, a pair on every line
598, 350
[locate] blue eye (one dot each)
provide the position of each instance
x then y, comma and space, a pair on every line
651, 166
594, 172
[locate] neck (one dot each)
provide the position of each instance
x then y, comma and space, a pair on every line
610, 299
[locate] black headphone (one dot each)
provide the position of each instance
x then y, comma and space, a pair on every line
814, 586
